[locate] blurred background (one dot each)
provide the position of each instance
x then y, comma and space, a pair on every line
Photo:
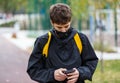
22, 21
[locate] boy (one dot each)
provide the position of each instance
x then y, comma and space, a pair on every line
64, 63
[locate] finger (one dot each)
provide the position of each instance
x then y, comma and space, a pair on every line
72, 81
73, 73
62, 70
75, 69
72, 77
61, 73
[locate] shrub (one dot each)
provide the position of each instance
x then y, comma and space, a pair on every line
10, 24
104, 47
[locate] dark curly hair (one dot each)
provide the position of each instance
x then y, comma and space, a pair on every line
60, 13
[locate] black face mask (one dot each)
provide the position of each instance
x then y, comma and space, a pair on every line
63, 35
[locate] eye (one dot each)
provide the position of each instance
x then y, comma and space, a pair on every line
66, 26
59, 27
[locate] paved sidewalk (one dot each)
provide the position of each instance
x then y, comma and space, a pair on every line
13, 63
108, 56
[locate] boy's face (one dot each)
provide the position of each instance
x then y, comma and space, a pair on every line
61, 28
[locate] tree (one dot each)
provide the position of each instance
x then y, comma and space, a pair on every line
9, 6
79, 11
113, 4
79, 8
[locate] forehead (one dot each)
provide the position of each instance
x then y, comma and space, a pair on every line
62, 24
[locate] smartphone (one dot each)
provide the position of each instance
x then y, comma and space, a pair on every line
68, 71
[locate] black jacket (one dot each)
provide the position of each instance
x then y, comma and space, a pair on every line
62, 54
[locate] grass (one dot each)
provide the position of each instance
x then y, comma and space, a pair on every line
111, 73
10, 24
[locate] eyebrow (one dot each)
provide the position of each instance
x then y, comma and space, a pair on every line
66, 25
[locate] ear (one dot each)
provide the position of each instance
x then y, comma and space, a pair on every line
70, 21
52, 23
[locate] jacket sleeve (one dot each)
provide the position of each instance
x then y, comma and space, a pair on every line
89, 60
36, 65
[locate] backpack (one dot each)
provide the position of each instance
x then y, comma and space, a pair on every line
76, 38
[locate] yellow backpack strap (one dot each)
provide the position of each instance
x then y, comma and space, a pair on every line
45, 48
78, 42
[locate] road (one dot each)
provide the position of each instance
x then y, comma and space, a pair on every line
13, 63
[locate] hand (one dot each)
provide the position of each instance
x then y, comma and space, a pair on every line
59, 75
73, 77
